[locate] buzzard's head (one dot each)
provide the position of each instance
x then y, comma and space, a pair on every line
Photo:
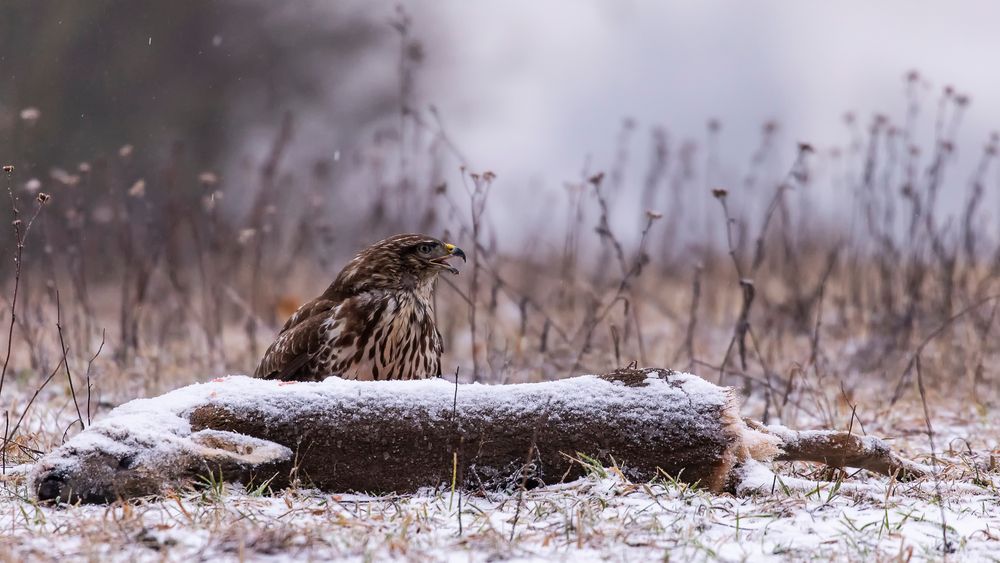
401, 262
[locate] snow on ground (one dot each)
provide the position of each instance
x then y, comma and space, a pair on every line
601, 517
596, 518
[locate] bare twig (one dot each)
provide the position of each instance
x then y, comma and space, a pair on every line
65, 362
900, 385
20, 236
688, 347
90, 364
945, 545
478, 194
31, 401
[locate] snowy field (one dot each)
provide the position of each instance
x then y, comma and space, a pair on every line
785, 205
595, 518
857, 517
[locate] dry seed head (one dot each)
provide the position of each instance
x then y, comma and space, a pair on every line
719, 193
63, 177
30, 115
43, 198
138, 189
245, 235
59, 175
653, 215
208, 178
8, 168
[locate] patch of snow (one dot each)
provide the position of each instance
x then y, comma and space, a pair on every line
588, 519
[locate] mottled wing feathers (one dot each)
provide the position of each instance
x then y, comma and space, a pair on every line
298, 343
314, 308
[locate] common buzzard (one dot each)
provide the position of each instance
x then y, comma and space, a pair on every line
375, 321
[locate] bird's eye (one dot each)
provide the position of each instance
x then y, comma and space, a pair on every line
425, 248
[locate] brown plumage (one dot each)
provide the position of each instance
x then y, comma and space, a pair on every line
375, 321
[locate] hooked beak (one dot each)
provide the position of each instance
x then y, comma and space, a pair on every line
452, 251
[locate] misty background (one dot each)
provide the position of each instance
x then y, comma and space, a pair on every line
535, 92
631, 180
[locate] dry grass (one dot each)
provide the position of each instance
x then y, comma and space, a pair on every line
876, 316
598, 517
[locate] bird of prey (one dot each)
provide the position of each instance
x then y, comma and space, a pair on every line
375, 321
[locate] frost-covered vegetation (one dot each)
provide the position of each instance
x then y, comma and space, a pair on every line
145, 268
597, 517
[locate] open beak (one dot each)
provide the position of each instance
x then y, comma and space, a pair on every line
452, 252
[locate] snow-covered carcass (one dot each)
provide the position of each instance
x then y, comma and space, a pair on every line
383, 437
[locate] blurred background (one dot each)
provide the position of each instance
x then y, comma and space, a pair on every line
763, 192
535, 93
